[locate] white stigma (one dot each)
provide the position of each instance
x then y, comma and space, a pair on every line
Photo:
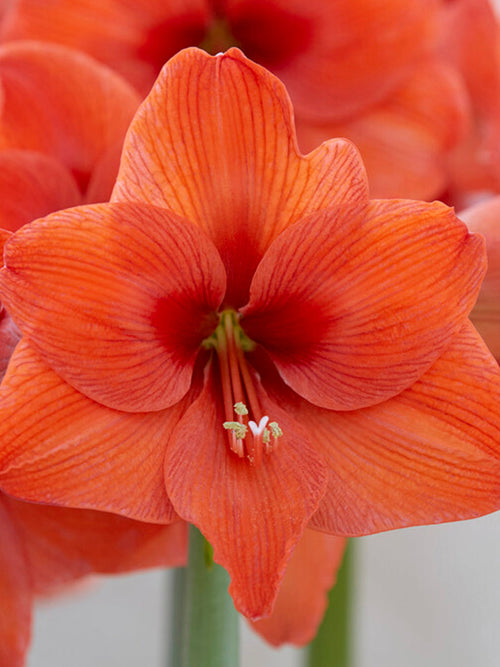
258, 430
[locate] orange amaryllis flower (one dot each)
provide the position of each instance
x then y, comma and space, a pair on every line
484, 217
369, 70
242, 338
44, 548
62, 124
134, 37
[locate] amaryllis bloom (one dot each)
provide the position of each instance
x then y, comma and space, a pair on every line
244, 339
62, 123
369, 70
484, 217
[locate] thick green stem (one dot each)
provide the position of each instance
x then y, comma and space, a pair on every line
209, 630
332, 645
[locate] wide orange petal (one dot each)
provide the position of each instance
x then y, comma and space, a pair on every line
404, 140
484, 218
215, 142
62, 103
429, 455
15, 593
134, 38
63, 544
31, 186
252, 516
355, 304
335, 57
116, 298
61, 448
302, 598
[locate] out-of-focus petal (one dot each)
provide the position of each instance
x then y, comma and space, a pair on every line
252, 515
33, 185
9, 338
355, 304
302, 598
61, 448
15, 593
404, 140
63, 544
484, 218
117, 299
471, 43
227, 158
62, 103
338, 56
134, 38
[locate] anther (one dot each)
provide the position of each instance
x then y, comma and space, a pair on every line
240, 408
239, 430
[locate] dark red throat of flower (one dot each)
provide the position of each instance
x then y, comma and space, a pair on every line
249, 432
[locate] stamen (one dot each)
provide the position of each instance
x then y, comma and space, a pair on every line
239, 430
240, 409
275, 429
238, 389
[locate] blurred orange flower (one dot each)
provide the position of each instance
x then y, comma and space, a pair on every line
62, 124
369, 70
44, 548
244, 339
484, 217
470, 42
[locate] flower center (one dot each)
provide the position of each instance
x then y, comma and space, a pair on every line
249, 432
218, 37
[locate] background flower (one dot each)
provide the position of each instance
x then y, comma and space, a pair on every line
369, 70
62, 125
44, 548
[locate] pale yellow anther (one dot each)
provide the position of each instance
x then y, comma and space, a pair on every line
239, 430
240, 409
275, 429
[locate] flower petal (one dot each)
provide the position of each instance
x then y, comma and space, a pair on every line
429, 455
134, 38
9, 338
64, 544
62, 103
485, 219
302, 598
15, 593
116, 298
215, 142
31, 186
335, 57
470, 42
404, 140
61, 448
252, 516
355, 304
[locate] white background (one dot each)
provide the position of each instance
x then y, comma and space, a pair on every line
425, 597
